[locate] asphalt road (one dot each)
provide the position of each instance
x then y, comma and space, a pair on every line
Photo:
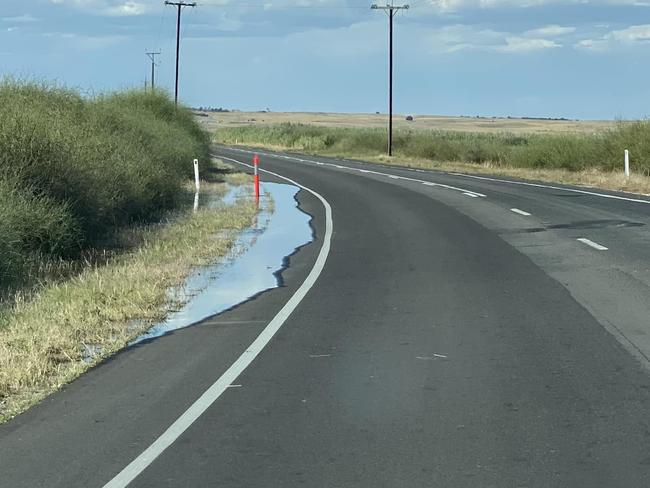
448, 342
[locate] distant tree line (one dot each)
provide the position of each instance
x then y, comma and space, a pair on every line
212, 109
509, 117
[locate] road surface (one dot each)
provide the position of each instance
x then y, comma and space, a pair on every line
462, 332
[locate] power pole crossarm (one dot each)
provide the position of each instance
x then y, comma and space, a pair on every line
391, 10
180, 6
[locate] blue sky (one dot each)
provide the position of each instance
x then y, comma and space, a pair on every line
557, 58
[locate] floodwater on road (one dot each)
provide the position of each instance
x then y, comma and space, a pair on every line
254, 265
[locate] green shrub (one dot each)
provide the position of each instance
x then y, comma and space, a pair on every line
73, 169
30, 225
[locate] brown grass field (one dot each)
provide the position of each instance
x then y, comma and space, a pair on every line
214, 121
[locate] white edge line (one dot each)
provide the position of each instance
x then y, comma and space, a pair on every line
593, 244
139, 464
395, 177
550, 187
520, 212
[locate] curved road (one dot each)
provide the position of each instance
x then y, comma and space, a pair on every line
449, 341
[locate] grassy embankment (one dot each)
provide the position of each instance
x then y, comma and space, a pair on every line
85, 260
583, 159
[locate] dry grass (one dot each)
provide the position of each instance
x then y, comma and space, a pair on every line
571, 158
44, 338
591, 178
422, 122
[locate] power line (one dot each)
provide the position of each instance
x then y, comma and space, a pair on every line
267, 7
180, 6
152, 56
163, 15
391, 10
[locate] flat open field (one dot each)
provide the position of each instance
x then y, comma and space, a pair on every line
423, 122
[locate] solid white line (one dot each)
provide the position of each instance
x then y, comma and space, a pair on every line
139, 464
473, 195
593, 244
520, 212
538, 185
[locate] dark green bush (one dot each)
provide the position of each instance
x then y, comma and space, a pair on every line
73, 169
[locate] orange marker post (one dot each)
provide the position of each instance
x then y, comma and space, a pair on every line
256, 163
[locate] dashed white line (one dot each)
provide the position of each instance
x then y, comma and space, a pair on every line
593, 244
520, 212
430, 358
473, 195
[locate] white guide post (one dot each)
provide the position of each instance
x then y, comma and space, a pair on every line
196, 174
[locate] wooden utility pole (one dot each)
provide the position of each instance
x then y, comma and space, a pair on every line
391, 10
180, 6
152, 56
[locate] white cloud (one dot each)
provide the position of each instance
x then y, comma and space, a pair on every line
445, 6
635, 33
126, 9
630, 36
456, 38
525, 45
591, 44
20, 19
83, 42
356, 41
111, 8
551, 31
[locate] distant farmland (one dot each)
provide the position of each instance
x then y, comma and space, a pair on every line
422, 122
559, 151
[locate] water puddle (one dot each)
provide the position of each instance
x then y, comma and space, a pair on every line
253, 266
233, 194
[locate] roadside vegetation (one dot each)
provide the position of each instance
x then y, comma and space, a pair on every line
73, 170
96, 226
51, 335
593, 159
